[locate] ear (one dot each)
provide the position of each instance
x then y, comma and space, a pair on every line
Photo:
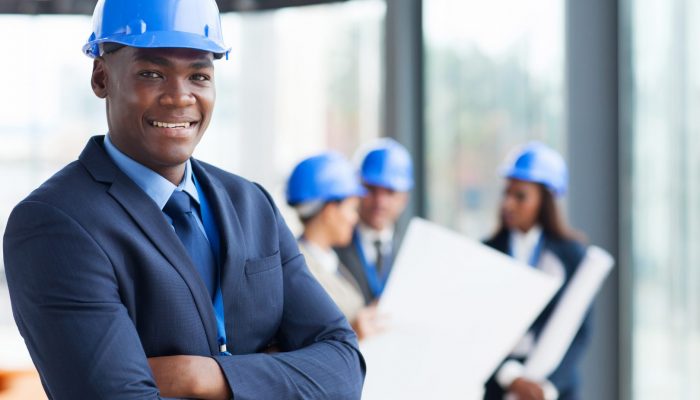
99, 78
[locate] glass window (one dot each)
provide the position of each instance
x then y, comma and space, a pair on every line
494, 80
299, 80
665, 184
48, 111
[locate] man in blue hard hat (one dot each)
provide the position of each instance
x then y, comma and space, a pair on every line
387, 174
139, 272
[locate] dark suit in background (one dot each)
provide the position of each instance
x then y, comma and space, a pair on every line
565, 377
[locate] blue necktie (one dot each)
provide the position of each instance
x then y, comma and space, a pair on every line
180, 209
379, 261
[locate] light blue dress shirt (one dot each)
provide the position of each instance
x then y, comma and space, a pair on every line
159, 190
153, 184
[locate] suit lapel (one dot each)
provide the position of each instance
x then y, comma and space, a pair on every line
500, 242
350, 257
233, 244
149, 218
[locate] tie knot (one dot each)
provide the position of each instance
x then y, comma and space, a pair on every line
179, 203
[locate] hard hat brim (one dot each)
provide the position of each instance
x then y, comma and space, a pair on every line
395, 184
558, 189
358, 191
160, 39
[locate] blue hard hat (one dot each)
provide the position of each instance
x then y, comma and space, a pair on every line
536, 162
324, 177
388, 164
193, 24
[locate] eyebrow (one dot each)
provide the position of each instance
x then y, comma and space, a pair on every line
164, 62
204, 64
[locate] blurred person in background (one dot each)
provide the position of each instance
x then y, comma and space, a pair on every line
387, 174
140, 272
533, 231
325, 192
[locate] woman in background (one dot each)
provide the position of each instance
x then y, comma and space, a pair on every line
325, 192
533, 231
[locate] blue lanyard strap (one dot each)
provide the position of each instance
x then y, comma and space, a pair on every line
536, 252
376, 282
213, 236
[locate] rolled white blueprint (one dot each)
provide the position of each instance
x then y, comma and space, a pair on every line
568, 315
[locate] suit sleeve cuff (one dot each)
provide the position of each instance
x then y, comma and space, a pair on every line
227, 374
509, 372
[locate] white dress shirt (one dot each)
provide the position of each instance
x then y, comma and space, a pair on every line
523, 246
327, 259
369, 235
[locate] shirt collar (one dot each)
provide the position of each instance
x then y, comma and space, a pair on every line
371, 235
529, 237
523, 244
153, 184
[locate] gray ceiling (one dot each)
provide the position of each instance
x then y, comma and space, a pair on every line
86, 6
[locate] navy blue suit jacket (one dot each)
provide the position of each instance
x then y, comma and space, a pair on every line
565, 377
99, 282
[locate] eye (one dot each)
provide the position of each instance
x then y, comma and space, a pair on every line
150, 74
200, 77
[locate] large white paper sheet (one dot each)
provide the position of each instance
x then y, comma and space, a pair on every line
456, 308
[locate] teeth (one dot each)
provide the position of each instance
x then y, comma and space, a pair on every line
169, 125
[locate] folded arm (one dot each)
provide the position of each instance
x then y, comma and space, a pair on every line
318, 359
319, 355
68, 309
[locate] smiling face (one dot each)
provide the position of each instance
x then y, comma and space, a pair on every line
159, 103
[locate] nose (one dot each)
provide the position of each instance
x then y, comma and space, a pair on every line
177, 95
508, 203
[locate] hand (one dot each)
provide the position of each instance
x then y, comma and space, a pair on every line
524, 389
189, 376
272, 349
369, 322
